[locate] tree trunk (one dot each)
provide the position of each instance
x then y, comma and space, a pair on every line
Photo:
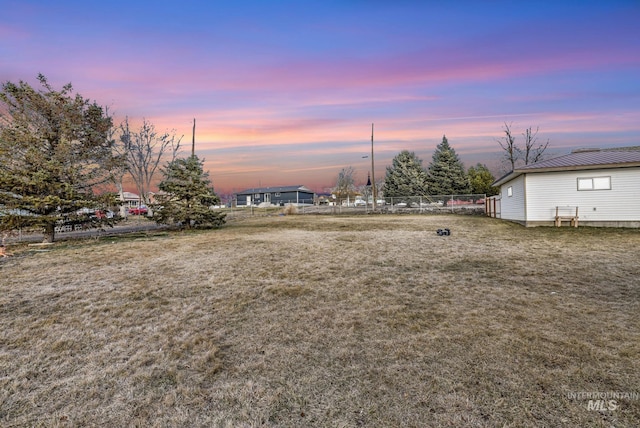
123, 209
49, 233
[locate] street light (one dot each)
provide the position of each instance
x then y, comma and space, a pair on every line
373, 173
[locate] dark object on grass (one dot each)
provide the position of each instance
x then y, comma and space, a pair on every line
443, 232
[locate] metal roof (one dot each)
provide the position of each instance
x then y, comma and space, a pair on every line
275, 189
581, 159
589, 158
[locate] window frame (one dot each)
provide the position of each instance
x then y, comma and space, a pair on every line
595, 183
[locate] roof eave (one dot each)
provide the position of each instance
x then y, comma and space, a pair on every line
507, 177
583, 167
516, 173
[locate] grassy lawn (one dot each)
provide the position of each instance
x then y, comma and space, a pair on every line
296, 321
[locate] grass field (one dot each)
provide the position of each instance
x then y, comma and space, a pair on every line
297, 321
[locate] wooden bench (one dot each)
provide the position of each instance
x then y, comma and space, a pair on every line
562, 216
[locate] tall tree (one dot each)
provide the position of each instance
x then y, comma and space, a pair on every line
508, 144
481, 179
514, 155
405, 176
54, 151
447, 175
345, 185
144, 151
187, 196
533, 151
118, 173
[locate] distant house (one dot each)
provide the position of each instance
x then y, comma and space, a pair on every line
131, 200
296, 195
601, 187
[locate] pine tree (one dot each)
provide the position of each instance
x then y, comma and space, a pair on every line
55, 148
481, 179
405, 176
187, 196
446, 172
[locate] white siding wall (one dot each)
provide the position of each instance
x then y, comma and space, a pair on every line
545, 191
512, 207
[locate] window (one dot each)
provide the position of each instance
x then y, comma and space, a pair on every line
510, 191
277, 194
256, 196
594, 183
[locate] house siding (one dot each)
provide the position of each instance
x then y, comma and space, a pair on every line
621, 203
513, 207
285, 197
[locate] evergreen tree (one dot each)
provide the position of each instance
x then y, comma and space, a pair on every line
446, 172
405, 176
481, 179
55, 148
187, 196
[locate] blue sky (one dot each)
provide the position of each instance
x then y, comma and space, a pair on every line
285, 92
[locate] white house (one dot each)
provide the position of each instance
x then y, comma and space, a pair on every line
601, 185
131, 200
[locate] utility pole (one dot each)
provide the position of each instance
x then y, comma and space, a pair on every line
373, 173
193, 139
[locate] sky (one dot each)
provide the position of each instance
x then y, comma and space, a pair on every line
286, 92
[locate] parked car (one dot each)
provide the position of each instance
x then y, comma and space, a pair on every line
360, 203
141, 210
99, 214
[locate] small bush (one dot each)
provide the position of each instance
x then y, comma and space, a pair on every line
290, 210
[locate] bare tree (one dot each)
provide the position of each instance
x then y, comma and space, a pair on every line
345, 186
508, 144
533, 152
144, 150
119, 170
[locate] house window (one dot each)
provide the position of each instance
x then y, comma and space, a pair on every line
256, 196
510, 191
594, 183
277, 194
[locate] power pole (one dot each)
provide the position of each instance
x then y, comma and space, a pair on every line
193, 139
373, 173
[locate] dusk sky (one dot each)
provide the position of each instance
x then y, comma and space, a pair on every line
285, 92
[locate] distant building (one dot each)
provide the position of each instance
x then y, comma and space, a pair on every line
131, 200
283, 195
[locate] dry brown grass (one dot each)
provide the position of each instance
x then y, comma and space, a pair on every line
324, 321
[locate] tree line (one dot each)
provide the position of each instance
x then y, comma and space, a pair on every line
406, 176
446, 174
59, 151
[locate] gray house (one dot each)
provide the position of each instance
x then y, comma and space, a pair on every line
297, 195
